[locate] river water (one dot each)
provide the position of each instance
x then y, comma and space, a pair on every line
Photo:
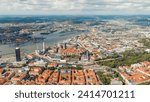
29, 47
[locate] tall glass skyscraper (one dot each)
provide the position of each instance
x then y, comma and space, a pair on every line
18, 56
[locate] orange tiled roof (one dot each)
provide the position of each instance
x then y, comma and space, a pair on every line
78, 77
54, 78
90, 77
2, 81
65, 77
18, 77
53, 64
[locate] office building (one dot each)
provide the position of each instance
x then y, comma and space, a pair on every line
18, 56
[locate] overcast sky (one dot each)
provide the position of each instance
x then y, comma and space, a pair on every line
74, 7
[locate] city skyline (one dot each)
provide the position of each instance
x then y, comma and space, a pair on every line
74, 7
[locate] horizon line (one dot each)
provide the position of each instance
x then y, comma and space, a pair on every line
75, 15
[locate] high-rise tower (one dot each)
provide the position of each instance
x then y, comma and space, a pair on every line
18, 56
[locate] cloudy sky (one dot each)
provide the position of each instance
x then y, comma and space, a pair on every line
74, 7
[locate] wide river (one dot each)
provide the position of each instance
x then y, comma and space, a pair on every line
49, 40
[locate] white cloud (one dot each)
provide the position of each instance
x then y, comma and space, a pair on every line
79, 6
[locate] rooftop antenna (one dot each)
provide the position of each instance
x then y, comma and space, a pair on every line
43, 46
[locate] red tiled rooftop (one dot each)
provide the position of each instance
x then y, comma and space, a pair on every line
78, 77
18, 77
54, 78
140, 73
65, 77
90, 77
44, 77
2, 81
35, 71
52, 64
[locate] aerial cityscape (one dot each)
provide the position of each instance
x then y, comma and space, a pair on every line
80, 48
86, 50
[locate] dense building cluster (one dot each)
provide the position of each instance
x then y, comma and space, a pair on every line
37, 76
136, 73
98, 47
